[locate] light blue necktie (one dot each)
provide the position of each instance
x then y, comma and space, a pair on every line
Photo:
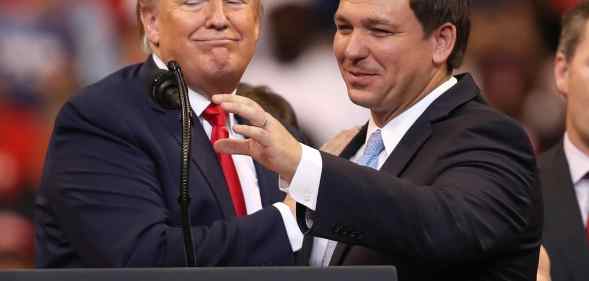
373, 149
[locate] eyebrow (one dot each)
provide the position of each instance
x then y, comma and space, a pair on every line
377, 21
367, 21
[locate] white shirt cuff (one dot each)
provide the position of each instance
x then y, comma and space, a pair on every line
295, 236
304, 187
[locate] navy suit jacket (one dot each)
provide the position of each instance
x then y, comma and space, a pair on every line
108, 196
457, 199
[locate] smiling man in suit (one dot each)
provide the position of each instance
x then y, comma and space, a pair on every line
564, 169
109, 192
437, 182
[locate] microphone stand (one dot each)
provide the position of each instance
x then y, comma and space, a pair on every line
184, 196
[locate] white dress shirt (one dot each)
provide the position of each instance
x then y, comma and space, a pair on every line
579, 167
304, 187
245, 168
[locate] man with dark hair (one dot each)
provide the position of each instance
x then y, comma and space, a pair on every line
109, 193
436, 183
564, 169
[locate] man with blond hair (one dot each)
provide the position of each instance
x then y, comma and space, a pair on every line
108, 196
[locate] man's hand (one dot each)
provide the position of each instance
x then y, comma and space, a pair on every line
268, 141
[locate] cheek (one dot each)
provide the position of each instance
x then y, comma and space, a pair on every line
338, 47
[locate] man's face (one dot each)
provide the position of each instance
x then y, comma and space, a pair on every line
572, 79
213, 40
382, 52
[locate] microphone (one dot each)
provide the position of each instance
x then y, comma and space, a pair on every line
165, 90
170, 91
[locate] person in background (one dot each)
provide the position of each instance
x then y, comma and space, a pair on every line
564, 169
276, 105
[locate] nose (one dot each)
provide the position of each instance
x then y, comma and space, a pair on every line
216, 18
355, 47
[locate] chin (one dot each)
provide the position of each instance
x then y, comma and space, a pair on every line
362, 98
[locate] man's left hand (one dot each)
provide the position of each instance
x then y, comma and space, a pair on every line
268, 142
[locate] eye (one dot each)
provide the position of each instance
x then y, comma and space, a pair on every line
343, 28
235, 2
193, 2
379, 32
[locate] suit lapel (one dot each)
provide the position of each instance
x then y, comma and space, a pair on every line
407, 148
464, 91
566, 223
206, 160
202, 153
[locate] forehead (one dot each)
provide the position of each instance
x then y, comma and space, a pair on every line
253, 2
376, 10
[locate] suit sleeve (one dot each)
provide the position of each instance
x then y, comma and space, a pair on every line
107, 198
484, 201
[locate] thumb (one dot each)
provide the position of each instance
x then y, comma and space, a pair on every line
232, 146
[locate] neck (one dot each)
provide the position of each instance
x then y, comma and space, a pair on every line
381, 118
578, 140
209, 87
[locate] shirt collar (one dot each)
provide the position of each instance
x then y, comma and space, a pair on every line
394, 130
578, 161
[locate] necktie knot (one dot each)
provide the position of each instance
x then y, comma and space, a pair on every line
373, 149
215, 115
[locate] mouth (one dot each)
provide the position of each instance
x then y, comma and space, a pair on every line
216, 42
359, 78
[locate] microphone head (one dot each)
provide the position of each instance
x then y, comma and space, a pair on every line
165, 89
173, 66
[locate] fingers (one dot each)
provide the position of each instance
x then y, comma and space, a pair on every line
258, 134
232, 146
243, 107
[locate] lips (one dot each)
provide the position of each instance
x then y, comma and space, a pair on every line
216, 41
359, 78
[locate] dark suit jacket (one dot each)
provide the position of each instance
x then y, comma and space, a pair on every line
108, 196
564, 234
458, 199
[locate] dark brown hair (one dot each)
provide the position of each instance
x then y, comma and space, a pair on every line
573, 29
434, 13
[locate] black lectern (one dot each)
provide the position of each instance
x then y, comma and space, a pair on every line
355, 273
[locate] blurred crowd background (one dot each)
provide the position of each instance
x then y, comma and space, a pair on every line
51, 48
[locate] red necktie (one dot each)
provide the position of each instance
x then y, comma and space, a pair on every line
215, 115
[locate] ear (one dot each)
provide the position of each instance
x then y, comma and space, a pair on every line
150, 20
259, 17
561, 74
443, 40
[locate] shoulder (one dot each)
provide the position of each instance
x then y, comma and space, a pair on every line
110, 102
119, 87
483, 124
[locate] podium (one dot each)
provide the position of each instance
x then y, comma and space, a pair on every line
344, 273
